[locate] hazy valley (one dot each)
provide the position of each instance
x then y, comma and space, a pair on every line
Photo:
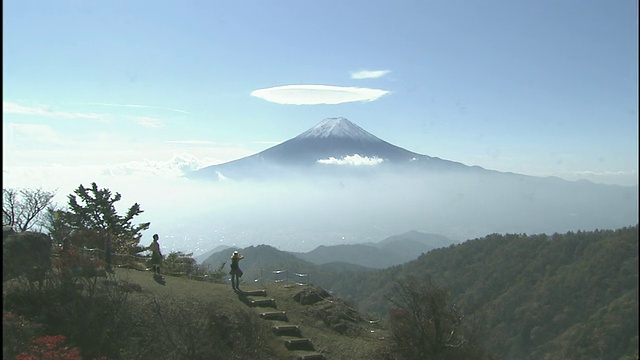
337, 184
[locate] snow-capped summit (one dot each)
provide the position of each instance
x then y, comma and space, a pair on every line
337, 127
330, 145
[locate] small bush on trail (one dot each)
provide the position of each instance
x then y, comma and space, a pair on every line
198, 330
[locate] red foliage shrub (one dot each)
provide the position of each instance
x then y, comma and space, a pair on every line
49, 347
77, 263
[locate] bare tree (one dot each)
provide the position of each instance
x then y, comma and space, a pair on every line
23, 209
9, 200
424, 325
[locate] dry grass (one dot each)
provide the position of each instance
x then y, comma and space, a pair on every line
321, 321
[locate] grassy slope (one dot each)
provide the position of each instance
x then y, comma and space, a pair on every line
363, 341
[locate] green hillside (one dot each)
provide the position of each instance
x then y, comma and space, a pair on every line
394, 250
572, 295
260, 262
569, 296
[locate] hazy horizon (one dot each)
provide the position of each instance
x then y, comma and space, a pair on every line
301, 214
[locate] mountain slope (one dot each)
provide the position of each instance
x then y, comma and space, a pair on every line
261, 262
361, 342
393, 250
332, 141
337, 138
202, 257
540, 296
359, 254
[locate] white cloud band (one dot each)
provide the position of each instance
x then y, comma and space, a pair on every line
352, 160
317, 94
367, 74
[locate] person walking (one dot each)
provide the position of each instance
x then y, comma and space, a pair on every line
235, 272
156, 255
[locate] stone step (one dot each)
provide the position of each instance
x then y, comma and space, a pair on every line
287, 330
314, 356
275, 315
263, 302
299, 344
255, 293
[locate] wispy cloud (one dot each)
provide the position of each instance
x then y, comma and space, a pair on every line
369, 74
146, 121
352, 160
13, 108
134, 106
317, 94
32, 132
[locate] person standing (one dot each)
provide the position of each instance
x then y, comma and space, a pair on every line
156, 255
235, 272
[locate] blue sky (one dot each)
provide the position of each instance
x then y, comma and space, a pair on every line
140, 90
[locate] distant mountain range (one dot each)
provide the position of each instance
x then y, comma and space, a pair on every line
264, 263
202, 257
391, 251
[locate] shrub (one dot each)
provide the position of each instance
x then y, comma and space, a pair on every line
49, 348
190, 329
16, 332
179, 264
105, 318
72, 263
424, 325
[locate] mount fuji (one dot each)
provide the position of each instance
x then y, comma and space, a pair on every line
335, 146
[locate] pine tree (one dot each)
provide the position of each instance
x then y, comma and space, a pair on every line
92, 215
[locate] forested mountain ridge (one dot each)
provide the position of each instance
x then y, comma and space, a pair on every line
570, 296
264, 263
393, 250
560, 296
